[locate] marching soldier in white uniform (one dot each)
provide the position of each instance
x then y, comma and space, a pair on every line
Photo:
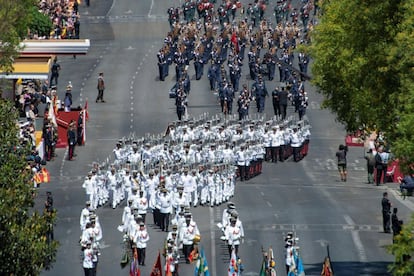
135, 157
275, 137
187, 234
142, 205
112, 183
225, 220
211, 186
241, 160
188, 184
118, 153
165, 209
84, 217
91, 191
141, 239
127, 183
233, 236
179, 199
194, 193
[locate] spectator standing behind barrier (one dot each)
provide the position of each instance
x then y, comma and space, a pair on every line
370, 165
386, 211
341, 155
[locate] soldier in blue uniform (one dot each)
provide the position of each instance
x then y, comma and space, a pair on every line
180, 103
212, 75
276, 102
235, 74
270, 62
229, 98
259, 90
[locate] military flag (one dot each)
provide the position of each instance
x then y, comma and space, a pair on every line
300, 271
43, 176
85, 109
201, 267
168, 271
156, 268
263, 267
51, 114
193, 255
233, 265
134, 268
235, 42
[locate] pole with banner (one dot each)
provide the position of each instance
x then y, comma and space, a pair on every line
85, 117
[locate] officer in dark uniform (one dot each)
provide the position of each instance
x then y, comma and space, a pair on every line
270, 62
198, 64
283, 101
276, 102
212, 75
395, 222
162, 63
235, 74
386, 211
180, 103
71, 135
229, 98
48, 138
260, 92
55, 73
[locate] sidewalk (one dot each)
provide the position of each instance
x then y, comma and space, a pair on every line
394, 189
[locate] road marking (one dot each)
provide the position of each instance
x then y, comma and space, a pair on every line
262, 193
213, 243
357, 240
110, 9
63, 162
313, 227
150, 11
269, 204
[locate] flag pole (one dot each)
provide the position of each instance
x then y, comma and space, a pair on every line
84, 121
329, 256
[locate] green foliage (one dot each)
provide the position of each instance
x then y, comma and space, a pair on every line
24, 249
402, 55
40, 23
13, 28
363, 65
403, 247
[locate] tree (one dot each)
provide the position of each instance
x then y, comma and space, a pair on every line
402, 55
363, 62
40, 23
13, 28
24, 248
403, 250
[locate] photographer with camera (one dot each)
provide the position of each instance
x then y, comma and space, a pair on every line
341, 155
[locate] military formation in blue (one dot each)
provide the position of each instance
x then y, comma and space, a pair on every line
215, 42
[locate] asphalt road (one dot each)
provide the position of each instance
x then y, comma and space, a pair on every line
305, 197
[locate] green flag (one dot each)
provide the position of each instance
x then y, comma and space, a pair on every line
263, 268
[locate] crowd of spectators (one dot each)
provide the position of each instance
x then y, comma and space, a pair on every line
64, 15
